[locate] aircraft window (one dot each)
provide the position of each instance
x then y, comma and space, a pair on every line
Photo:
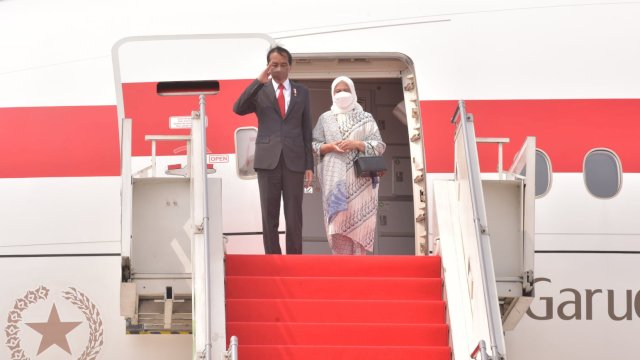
245, 149
543, 173
602, 173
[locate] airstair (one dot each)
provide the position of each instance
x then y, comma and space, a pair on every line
173, 264
172, 252
484, 233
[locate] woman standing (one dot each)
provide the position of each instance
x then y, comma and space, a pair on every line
350, 202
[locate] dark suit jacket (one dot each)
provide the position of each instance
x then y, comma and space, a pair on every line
291, 136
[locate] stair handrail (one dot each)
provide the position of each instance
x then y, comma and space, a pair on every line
481, 349
232, 352
500, 142
207, 266
488, 285
155, 138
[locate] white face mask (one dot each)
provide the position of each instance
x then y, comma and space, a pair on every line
343, 100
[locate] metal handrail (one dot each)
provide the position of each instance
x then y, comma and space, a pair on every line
481, 349
498, 141
481, 227
232, 353
155, 138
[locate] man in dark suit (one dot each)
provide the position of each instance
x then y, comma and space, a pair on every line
283, 157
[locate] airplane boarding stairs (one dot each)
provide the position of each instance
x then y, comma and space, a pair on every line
380, 307
484, 232
455, 303
336, 307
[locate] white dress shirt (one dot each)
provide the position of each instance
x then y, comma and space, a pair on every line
287, 92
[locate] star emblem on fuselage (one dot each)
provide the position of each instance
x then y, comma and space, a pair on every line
54, 331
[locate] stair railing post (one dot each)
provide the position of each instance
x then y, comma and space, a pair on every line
205, 225
200, 247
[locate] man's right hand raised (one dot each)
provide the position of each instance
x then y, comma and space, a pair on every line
265, 75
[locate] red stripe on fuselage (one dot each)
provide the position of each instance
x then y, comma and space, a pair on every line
59, 141
150, 114
83, 140
566, 130
77, 141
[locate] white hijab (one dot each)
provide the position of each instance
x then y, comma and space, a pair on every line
335, 108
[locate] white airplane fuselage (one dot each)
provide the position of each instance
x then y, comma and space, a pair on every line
72, 71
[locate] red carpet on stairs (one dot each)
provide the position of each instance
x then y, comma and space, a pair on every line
336, 307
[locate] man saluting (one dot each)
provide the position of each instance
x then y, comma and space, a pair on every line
283, 156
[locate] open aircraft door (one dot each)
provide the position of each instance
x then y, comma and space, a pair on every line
172, 244
484, 233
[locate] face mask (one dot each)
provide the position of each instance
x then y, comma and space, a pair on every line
343, 100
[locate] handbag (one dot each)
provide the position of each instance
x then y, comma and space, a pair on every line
370, 166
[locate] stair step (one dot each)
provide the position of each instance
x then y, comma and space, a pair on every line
345, 288
331, 307
330, 311
339, 334
333, 266
251, 352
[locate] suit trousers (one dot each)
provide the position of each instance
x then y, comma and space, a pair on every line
274, 185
